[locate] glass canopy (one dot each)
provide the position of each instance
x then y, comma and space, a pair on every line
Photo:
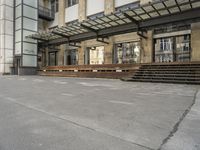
159, 8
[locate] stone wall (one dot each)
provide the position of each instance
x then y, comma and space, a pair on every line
195, 42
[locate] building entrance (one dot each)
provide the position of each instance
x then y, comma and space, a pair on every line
53, 59
172, 49
127, 53
95, 55
71, 57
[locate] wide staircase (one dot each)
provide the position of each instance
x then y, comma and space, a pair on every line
185, 73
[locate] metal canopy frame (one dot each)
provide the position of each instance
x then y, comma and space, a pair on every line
139, 18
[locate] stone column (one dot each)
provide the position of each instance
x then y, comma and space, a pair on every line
142, 2
109, 6
82, 10
147, 48
108, 51
108, 55
61, 22
195, 44
82, 16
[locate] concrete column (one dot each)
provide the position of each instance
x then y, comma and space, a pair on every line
195, 44
61, 12
47, 57
108, 55
81, 52
147, 48
109, 6
82, 10
142, 2
61, 22
82, 16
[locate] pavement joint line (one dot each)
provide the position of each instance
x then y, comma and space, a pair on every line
74, 123
176, 126
121, 102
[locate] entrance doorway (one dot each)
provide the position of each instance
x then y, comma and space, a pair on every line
173, 49
94, 55
53, 59
71, 57
127, 53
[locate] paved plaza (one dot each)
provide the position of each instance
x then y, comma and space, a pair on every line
47, 113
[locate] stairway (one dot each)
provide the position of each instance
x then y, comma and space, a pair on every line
185, 73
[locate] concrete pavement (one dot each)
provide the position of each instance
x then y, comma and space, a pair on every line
46, 113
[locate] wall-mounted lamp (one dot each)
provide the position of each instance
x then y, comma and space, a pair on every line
93, 48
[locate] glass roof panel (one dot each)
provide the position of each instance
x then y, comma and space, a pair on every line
148, 8
163, 12
120, 22
139, 11
95, 28
137, 18
174, 9
196, 4
169, 3
93, 22
100, 26
127, 20
130, 13
99, 21
107, 25
86, 24
145, 16
113, 23
154, 14
113, 17
159, 5
182, 1
106, 19
185, 7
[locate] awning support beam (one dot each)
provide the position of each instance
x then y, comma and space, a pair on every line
142, 34
40, 39
74, 44
131, 19
102, 40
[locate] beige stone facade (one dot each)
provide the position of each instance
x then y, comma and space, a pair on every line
146, 44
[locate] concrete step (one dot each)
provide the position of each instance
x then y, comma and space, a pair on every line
162, 81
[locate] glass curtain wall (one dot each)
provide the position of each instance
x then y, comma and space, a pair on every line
127, 53
173, 49
26, 23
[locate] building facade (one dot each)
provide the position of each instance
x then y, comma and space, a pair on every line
34, 31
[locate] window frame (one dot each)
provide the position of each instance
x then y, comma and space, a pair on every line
70, 3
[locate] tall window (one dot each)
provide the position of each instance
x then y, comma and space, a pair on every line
127, 53
54, 5
71, 2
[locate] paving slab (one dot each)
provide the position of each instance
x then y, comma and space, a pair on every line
52, 113
187, 136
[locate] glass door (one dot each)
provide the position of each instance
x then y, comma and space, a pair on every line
71, 57
127, 53
172, 49
53, 59
183, 49
164, 49
95, 55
